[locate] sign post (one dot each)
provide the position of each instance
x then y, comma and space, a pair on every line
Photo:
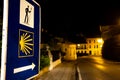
21, 39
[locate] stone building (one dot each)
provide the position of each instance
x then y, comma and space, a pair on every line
70, 50
93, 46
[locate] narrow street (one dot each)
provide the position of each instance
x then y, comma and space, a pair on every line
97, 68
64, 71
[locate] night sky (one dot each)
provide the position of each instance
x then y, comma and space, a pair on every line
68, 17
74, 17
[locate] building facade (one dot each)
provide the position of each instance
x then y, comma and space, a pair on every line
70, 50
93, 46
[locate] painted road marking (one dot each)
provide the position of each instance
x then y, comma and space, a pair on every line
79, 74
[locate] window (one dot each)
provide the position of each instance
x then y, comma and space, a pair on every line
97, 46
89, 41
81, 47
89, 46
85, 47
65, 49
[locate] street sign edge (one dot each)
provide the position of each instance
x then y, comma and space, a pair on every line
4, 40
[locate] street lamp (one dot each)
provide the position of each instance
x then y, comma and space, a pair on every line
100, 40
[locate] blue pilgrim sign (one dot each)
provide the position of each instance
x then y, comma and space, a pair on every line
21, 39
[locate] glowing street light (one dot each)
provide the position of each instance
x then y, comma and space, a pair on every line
78, 45
100, 41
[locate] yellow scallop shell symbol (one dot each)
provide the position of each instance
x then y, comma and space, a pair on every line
25, 43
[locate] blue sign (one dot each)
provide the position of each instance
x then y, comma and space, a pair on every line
22, 34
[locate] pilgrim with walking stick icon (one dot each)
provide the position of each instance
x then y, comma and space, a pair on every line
27, 12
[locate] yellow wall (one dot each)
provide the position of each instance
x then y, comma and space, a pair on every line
96, 45
93, 44
70, 50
